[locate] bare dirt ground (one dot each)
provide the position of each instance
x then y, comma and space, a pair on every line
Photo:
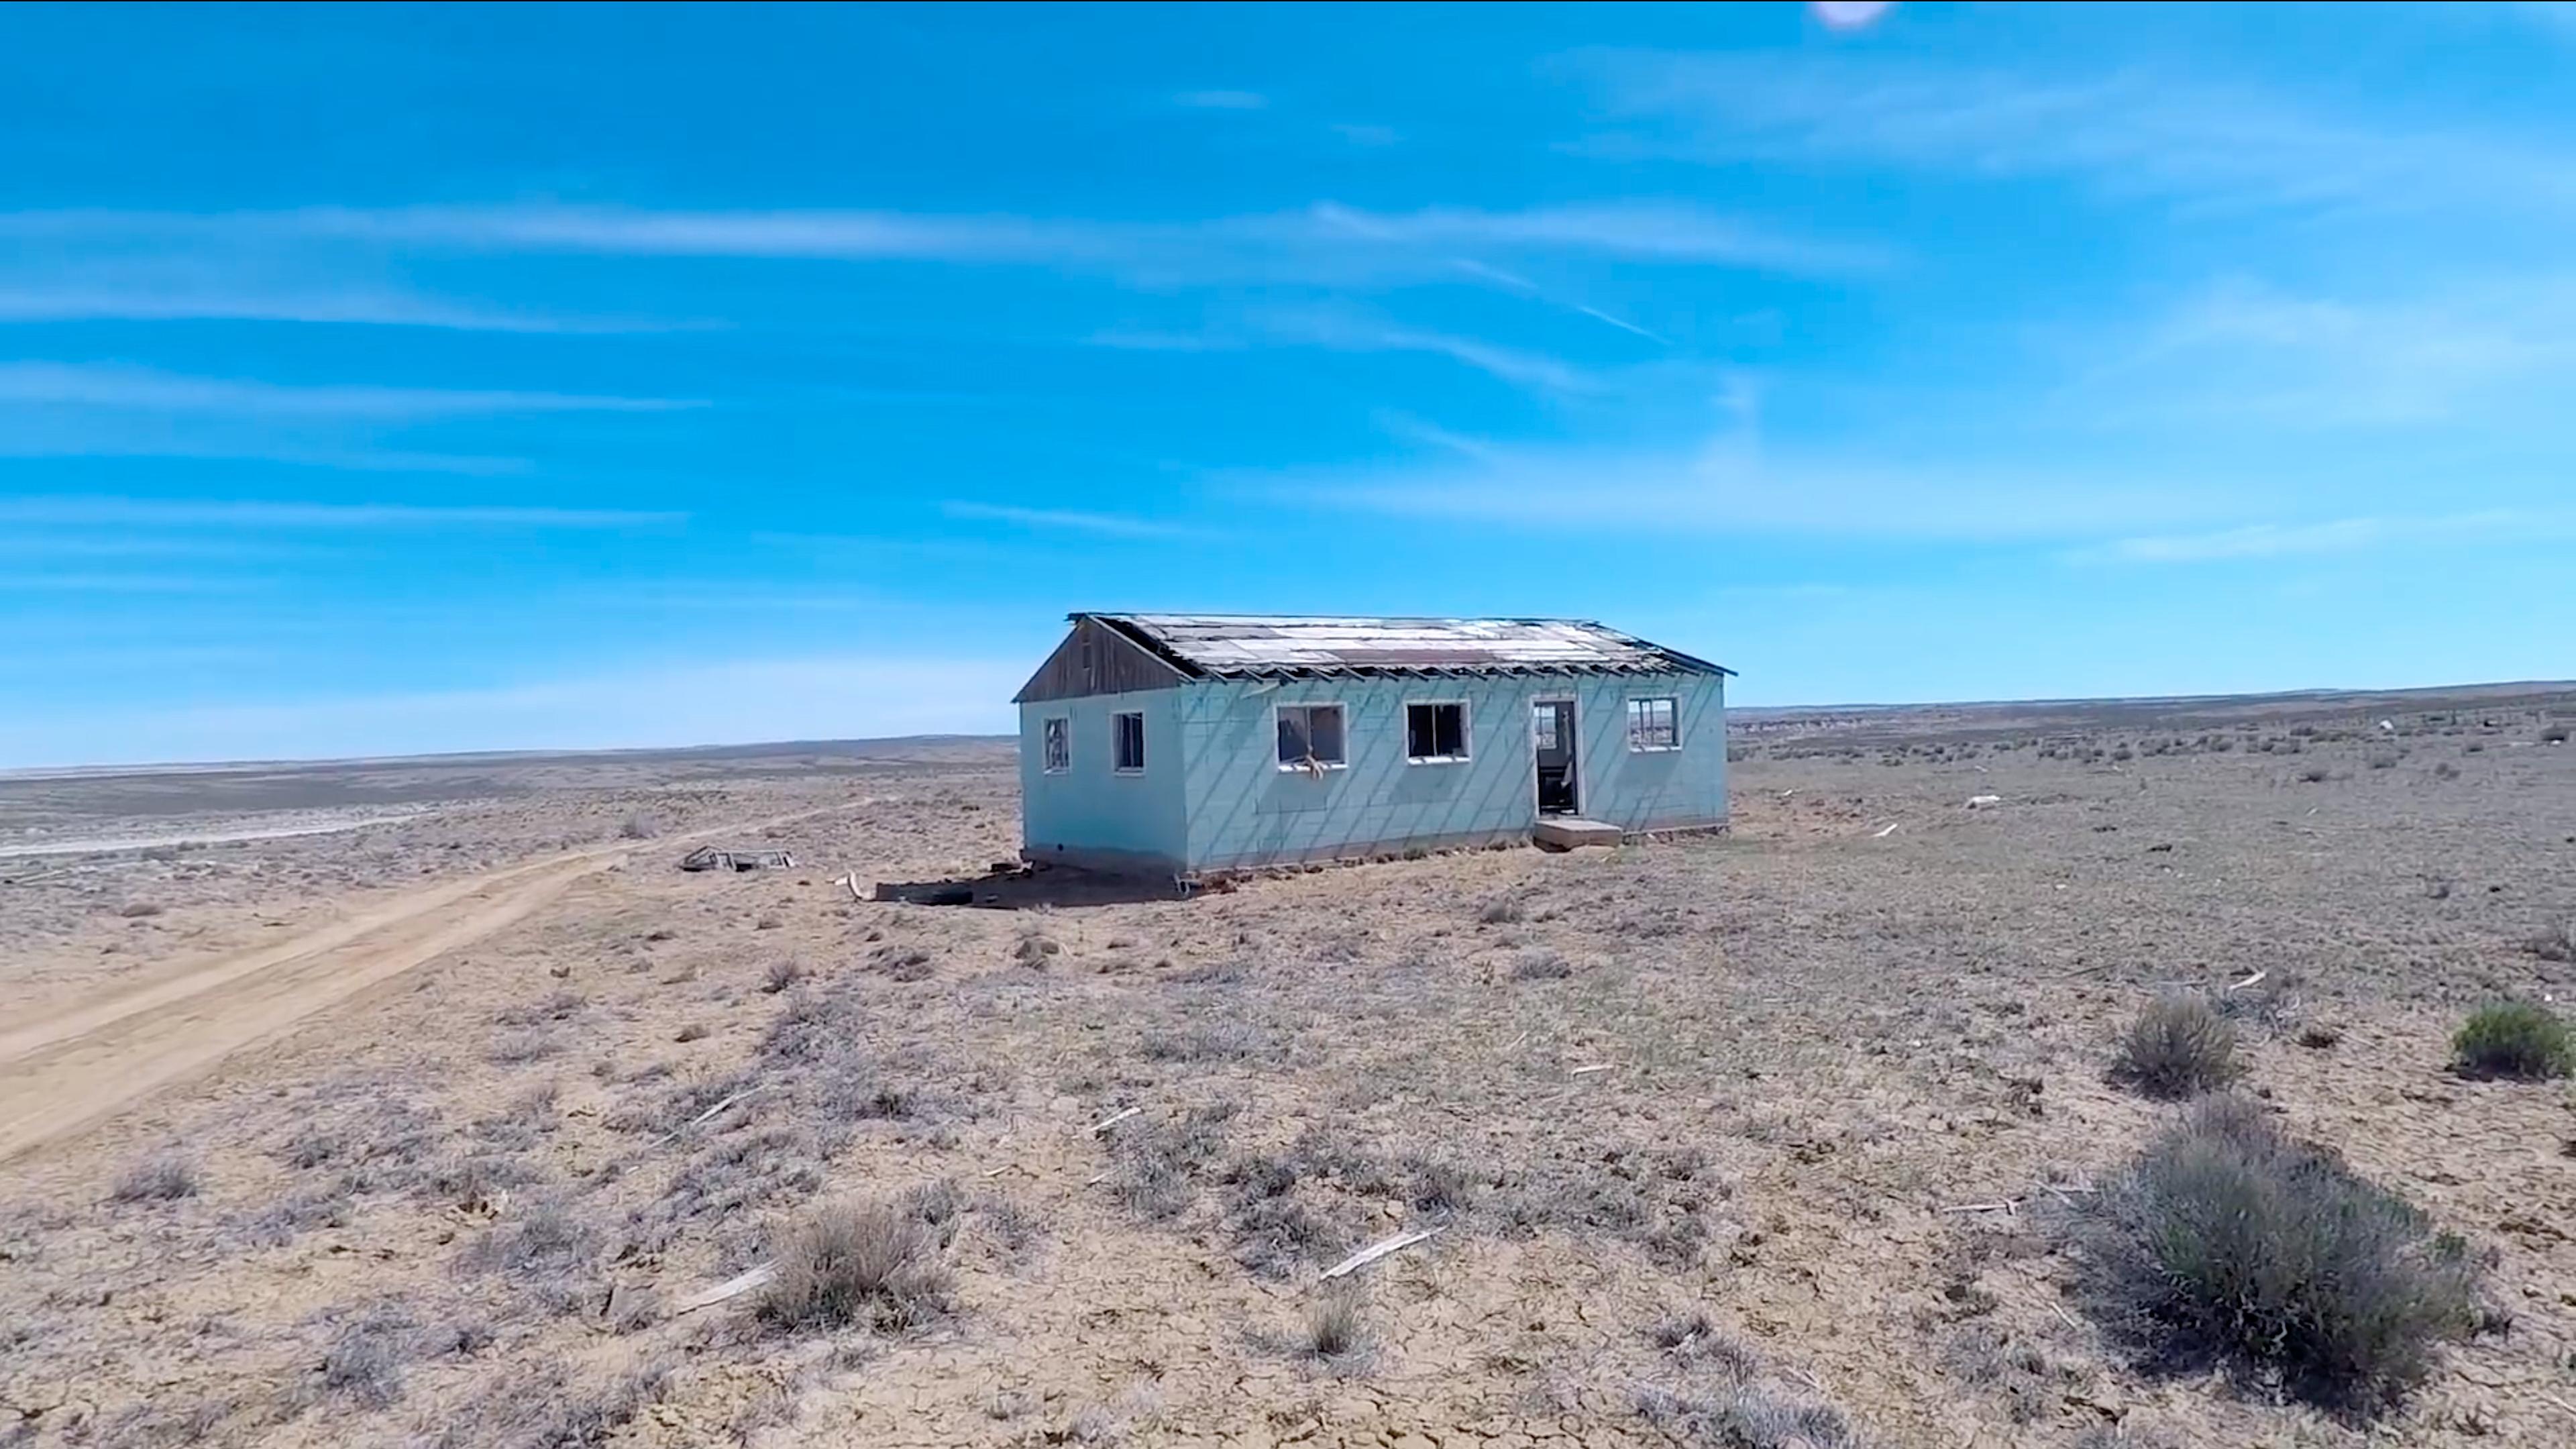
423, 1131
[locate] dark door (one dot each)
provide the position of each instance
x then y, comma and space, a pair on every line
1552, 736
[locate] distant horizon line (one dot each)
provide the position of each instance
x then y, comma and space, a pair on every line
763, 747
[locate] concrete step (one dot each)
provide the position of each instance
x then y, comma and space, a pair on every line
1570, 832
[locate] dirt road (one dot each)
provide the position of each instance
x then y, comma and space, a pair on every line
83, 1063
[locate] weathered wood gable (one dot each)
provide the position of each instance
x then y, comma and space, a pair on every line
1096, 659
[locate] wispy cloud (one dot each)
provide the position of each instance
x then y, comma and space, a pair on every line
227, 302
1355, 329
146, 389
24, 543
98, 583
1148, 339
2251, 352
2129, 133
261, 514
1516, 283
1344, 330
1222, 100
1408, 428
1728, 485
1622, 323
2335, 536
1324, 243
63, 437
1104, 525
1361, 333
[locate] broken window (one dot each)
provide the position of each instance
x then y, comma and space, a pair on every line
1543, 724
1435, 732
1130, 732
1310, 736
1058, 754
1654, 724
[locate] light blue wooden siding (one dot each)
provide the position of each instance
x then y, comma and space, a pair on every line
1652, 789
1244, 810
1091, 815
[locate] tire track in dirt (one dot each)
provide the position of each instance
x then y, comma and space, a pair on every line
85, 1063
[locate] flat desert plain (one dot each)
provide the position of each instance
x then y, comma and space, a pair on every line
429, 1102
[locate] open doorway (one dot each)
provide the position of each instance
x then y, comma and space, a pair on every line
1552, 742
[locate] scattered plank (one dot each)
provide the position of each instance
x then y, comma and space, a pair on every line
1380, 1249
1981, 1207
1112, 1120
1886, 830
1587, 1071
733, 1287
46, 875
2254, 980
727, 1102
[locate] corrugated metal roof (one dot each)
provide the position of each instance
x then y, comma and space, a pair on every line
1237, 646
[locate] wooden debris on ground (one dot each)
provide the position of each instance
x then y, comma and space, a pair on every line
733, 1287
1380, 1249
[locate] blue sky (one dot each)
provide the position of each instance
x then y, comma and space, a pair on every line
389, 380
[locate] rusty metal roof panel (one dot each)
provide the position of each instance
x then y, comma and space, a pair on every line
1231, 646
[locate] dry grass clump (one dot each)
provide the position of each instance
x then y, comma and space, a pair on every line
551, 1406
2228, 1242
365, 1359
2523, 1040
1541, 964
1337, 1333
162, 1177
1204, 1041
548, 1239
782, 974
512, 1048
2557, 943
874, 1263
1155, 1164
1729, 1403
2180, 1046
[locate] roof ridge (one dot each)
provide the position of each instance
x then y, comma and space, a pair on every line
1412, 645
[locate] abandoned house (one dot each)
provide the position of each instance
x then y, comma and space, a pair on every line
1172, 744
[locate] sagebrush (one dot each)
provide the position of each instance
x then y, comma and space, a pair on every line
873, 1262
2228, 1242
2519, 1039
2180, 1046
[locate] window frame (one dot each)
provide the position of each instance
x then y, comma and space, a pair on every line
1637, 734
1466, 732
1544, 708
1055, 744
1300, 767
1118, 742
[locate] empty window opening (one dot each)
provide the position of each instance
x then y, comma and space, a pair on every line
1435, 732
1310, 737
1058, 755
1654, 724
1130, 732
